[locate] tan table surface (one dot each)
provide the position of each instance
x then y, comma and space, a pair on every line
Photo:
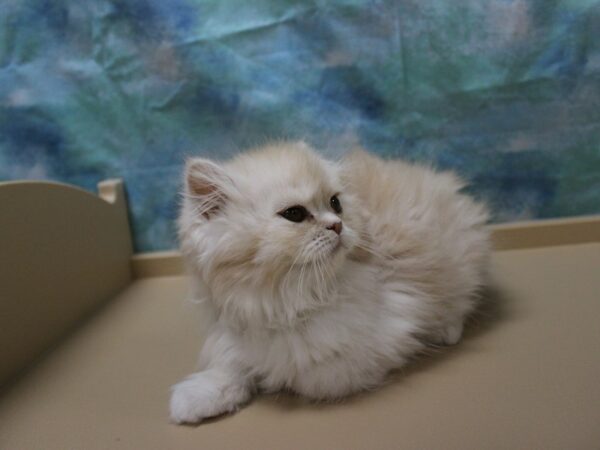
526, 376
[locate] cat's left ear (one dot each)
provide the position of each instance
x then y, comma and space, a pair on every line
207, 184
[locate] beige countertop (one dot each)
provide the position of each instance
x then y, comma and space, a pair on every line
524, 377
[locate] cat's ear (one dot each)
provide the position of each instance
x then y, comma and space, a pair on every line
207, 185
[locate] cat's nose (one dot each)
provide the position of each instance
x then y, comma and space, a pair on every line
336, 226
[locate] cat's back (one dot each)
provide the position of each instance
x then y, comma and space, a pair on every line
417, 215
395, 191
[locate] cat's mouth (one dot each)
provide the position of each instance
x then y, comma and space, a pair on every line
336, 246
328, 248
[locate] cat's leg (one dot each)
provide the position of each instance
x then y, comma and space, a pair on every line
222, 387
208, 393
451, 333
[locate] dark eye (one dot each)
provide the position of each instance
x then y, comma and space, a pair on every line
295, 213
335, 204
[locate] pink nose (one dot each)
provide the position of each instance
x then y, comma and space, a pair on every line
336, 226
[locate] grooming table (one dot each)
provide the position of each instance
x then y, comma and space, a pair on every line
93, 337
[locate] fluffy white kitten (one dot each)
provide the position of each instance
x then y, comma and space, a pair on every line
321, 277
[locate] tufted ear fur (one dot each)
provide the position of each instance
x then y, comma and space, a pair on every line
207, 185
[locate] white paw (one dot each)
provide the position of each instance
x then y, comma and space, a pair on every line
203, 395
449, 335
452, 333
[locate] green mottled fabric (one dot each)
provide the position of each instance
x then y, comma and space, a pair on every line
505, 92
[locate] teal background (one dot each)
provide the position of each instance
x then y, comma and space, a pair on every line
505, 92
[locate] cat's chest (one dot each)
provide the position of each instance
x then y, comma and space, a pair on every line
328, 335
345, 325
279, 351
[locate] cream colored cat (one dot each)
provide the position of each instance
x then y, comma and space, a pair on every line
321, 277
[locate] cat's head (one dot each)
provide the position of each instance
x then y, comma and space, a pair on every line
272, 218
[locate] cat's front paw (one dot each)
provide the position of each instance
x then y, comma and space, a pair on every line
188, 403
203, 395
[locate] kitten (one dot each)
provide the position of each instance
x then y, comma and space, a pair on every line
321, 277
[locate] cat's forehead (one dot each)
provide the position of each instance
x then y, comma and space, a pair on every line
282, 174
305, 191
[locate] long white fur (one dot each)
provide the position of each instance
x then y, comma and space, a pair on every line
295, 306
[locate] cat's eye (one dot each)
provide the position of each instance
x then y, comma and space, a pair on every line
295, 213
335, 204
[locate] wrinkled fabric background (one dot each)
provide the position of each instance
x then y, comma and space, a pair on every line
506, 92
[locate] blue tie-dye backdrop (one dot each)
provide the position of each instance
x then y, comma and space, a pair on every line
506, 92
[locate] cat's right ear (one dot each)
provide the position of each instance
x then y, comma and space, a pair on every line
207, 185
